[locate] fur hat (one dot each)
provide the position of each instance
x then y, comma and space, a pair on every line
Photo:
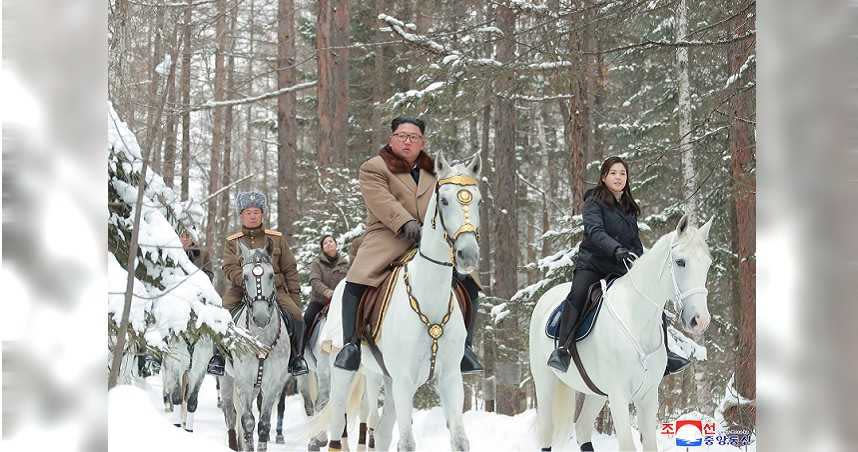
249, 199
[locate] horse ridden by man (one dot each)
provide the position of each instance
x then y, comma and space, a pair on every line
423, 333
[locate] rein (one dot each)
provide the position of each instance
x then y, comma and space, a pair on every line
257, 272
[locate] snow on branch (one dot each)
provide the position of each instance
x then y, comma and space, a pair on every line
454, 58
248, 100
648, 44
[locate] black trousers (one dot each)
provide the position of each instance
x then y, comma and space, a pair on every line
351, 297
582, 279
312, 312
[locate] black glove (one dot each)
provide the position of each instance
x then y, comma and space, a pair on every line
623, 255
410, 231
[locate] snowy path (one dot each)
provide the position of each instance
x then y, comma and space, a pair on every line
138, 423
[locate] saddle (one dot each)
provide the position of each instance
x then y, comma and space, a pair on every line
592, 306
375, 300
321, 315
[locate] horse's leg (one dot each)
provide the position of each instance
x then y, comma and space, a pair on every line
584, 425
384, 433
622, 422
244, 398
647, 414
403, 398
452, 395
219, 398
229, 414
373, 387
362, 417
340, 386
304, 388
265, 420
194, 384
545, 384
281, 408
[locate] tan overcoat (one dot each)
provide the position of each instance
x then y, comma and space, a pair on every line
391, 199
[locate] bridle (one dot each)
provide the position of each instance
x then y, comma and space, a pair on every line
465, 198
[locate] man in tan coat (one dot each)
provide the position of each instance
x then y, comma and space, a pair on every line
396, 186
251, 206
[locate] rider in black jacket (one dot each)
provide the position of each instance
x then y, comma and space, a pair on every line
610, 246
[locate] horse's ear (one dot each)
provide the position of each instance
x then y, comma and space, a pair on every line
704, 230
476, 165
682, 226
441, 165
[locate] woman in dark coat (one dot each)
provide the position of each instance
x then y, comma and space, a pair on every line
610, 246
325, 273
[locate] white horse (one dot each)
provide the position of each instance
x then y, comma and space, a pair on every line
423, 333
247, 375
182, 373
624, 355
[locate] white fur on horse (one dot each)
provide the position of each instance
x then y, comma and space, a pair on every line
332, 332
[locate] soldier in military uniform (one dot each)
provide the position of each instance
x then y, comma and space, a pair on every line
251, 206
198, 256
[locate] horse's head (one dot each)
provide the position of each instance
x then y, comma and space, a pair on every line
689, 262
457, 199
260, 291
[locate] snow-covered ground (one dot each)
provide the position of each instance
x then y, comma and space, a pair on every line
138, 423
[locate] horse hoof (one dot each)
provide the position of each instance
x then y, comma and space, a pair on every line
262, 446
189, 431
587, 447
280, 439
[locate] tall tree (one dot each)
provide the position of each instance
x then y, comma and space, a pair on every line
186, 98
217, 125
380, 80
169, 164
685, 148
340, 37
324, 97
226, 174
579, 105
287, 124
155, 81
506, 189
742, 169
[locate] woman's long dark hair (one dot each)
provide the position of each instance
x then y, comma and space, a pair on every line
603, 193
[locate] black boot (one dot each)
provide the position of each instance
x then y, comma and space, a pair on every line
297, 364
216, 364
675, 363
349, 357
470, 363
561, 355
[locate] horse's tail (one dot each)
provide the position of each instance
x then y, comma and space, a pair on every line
319, 422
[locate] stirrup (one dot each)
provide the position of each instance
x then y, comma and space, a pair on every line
470, 364
675, 363
560, 358
349, 357
216, 366
298, 366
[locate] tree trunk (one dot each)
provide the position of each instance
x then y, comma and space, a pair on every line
155, 82
340, 36
217, 125
169, 165
506, 196
486, 274
579, 107
685, 149
248, 111
323, 88
186, 100
287, 124
742, 166
379, 86
225, 204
